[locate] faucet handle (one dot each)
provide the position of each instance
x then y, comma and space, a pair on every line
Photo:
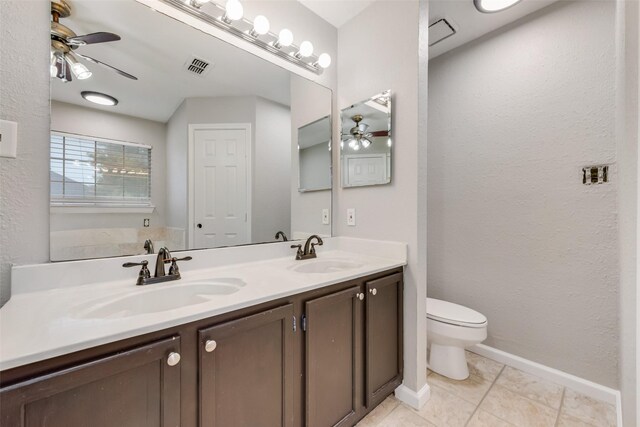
174, 270
144, 271
299, 252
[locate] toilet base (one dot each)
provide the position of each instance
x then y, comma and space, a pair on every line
449, 361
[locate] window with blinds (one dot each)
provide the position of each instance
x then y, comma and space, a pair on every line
89, 171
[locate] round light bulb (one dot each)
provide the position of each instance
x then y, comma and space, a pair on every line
234, 10
285, 38
306, 49
324, 60
261, 25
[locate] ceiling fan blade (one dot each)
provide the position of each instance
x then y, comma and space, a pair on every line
95, 61
380, 133
93, 38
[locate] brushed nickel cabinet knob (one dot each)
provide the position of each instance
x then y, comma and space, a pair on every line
210, 345
173, 359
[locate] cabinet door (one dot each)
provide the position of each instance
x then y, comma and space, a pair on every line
333, 358
383, 325
136, 388
246, 371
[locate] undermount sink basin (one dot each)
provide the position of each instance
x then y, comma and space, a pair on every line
162, 297
325, 266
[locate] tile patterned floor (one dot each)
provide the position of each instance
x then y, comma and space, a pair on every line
495, 395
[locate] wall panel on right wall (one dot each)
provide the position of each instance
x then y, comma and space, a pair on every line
513, 232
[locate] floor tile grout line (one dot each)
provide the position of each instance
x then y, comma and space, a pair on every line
564, 390
485, 395
398, 404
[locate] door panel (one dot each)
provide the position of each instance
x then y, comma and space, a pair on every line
383, 337
220, 187
333, 358
247, 380
136, 388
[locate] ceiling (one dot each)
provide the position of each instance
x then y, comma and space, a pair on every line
155, 48
471, 24
337, 12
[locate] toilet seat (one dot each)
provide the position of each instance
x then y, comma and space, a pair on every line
454, 314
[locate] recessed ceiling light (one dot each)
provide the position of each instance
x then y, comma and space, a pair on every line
99, 98
490, 6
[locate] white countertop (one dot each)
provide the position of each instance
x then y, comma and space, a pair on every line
45, 320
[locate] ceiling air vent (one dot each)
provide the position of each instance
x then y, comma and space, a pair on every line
198, 66
440, 30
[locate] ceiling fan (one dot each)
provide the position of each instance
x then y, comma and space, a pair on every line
64, 42
358, 136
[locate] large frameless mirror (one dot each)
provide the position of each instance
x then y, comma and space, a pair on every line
366, 142
172, 137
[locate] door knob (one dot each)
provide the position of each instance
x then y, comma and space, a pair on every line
373, 291
199, 226
210, 345
173, 359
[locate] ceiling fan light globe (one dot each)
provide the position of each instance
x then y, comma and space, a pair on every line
81, 72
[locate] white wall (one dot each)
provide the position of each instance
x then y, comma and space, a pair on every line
24, 98
513, 232
176, 167
378, 50
91, 122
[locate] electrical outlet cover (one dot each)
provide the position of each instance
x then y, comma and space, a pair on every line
325, 216
351, 217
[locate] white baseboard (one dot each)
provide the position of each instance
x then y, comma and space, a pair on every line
573, 382
414, 399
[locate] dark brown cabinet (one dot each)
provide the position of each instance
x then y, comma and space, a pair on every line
246, 371
136, 388
321, 358
333, 325
383, 348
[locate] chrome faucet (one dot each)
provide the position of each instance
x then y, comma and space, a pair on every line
164, 257
281, 234
309, 250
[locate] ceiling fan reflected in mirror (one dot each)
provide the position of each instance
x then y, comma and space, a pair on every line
64, 60
358, 136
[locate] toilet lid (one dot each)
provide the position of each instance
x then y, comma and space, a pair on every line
449, 312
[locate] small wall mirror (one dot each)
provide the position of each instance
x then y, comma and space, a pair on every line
365, 147
314, 154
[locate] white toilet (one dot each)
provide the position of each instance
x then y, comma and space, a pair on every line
450, 329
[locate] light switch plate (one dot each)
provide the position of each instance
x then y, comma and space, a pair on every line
325, 216
8, 139
351, 217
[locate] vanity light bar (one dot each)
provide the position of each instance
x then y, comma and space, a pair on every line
245, 30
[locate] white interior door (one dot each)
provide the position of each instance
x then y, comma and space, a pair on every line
220, 187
